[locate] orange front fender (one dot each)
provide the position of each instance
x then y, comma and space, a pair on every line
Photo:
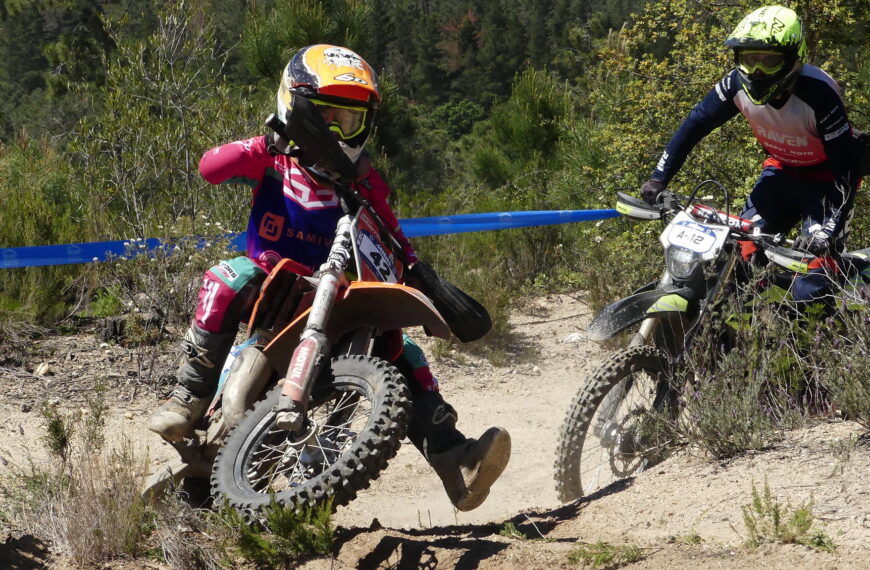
385, 306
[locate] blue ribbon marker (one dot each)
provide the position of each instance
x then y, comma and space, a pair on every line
43, 255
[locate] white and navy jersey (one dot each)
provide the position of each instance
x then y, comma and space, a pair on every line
811, 129
810, 133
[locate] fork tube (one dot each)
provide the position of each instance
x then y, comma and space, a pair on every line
331, 276
313, 349
646, 331
649, 325
724, 277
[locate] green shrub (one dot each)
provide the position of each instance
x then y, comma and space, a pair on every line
605, 556
282, 534
510, 530
106, 302
840, 361
768, 521
37, 207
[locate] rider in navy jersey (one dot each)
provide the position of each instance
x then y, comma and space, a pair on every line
796, 112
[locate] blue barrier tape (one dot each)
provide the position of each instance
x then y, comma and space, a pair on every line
419, 227
42, 255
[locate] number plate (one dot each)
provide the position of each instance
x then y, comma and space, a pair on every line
375, 257
374, 260
706, 239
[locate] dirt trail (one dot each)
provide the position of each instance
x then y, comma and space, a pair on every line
684, 513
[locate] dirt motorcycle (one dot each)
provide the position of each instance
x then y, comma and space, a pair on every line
608, 434
309, 407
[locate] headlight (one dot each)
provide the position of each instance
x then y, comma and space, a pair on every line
681, 262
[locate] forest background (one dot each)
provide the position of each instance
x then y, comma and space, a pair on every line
489, 105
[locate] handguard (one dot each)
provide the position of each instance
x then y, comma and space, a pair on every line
468, 320
635, 208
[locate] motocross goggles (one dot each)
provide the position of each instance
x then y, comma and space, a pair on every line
344, 120
766, 61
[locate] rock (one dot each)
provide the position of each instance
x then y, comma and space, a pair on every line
25, 407
112, 328
43, 369
573, 338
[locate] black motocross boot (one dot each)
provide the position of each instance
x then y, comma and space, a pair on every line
204, 355
467, 467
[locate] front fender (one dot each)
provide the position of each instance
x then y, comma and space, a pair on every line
384, 306
618, 316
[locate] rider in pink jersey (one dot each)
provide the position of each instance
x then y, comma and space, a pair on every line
294, 212
796, 112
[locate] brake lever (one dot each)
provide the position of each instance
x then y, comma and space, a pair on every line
668, 201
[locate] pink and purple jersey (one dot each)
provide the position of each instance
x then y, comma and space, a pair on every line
293, 215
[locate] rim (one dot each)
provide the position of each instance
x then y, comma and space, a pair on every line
282, 460
624, 436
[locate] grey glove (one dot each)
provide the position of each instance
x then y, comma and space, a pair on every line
651, 189
817, 242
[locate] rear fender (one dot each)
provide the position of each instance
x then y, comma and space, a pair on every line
618, 316
384, 306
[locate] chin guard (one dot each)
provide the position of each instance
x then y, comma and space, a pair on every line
317, 146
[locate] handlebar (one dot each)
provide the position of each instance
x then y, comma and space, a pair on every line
669, 203
741, 227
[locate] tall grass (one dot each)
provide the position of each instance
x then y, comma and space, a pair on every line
85, 499
762, 364
767, 520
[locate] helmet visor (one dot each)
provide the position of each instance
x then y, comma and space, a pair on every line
345, 121
767, 62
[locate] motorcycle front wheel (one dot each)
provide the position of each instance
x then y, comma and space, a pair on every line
357, 417
617, 425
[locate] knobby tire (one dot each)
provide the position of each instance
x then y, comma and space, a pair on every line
575, 430
361, 458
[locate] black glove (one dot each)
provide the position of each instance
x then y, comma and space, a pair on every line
651, 189
276, 144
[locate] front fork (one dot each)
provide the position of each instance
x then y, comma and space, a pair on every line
648, 326
314, 347
645, 333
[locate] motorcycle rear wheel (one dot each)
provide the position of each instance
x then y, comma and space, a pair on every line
613, 428
356, 419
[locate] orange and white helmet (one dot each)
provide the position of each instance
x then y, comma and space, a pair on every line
342, 86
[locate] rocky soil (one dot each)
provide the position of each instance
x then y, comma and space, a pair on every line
685, 513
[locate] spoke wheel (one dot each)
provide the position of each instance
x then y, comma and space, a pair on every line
614, 427
356, 419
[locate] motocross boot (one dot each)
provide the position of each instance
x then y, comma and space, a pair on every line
204, 355
467, 467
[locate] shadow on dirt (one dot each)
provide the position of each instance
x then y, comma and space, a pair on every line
404, 552
464, 546
24, 553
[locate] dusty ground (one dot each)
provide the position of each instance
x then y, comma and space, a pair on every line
686, 513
